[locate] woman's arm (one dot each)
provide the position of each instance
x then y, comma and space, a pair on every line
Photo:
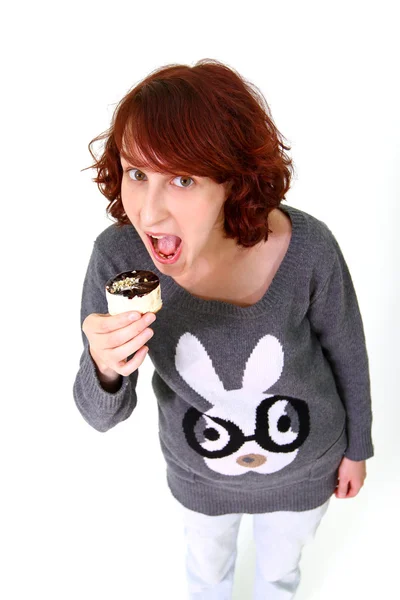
335, 317
102, 404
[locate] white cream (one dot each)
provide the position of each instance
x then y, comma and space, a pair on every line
148, 303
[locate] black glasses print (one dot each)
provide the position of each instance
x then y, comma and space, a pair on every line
276, 423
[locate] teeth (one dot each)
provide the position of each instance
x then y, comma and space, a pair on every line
159, 237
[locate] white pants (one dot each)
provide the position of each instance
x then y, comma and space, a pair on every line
279, 538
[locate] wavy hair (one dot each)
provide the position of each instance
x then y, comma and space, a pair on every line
204, 120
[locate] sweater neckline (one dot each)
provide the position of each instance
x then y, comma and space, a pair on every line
285, 277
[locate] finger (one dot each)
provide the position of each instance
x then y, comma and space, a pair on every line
118, 355
135, 362
354, 489
107, 323
342, 488
121, 336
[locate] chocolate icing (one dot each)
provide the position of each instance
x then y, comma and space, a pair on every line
141, 288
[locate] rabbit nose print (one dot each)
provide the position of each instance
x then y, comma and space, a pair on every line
251, 460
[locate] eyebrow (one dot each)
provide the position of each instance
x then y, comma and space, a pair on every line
131, 164
166, 173
128, 162
145, 168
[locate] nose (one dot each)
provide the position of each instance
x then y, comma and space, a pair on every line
251, 460
153, 207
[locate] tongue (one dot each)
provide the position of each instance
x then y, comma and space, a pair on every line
168, 244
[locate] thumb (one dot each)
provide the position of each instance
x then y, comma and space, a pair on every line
342, 488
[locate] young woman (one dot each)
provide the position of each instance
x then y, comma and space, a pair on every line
261, 369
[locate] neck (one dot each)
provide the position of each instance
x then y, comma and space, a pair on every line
215, 270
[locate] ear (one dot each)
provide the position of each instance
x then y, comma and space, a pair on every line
264, 367
195, 367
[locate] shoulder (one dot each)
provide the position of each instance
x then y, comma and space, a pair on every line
319, 253
121, 249
319, 242
115, 239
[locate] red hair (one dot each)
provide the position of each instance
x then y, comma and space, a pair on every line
207, 121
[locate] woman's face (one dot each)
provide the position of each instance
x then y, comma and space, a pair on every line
176, 205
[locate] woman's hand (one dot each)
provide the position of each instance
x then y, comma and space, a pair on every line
352, 474
112, 339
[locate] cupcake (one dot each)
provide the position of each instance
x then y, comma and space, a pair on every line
133, 291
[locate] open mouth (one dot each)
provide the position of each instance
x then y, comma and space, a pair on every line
167, 247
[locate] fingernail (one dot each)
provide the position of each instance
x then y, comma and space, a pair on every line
150, 318
134, 316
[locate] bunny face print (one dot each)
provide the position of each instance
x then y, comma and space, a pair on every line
246, 429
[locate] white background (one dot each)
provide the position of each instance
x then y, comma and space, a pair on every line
89, 516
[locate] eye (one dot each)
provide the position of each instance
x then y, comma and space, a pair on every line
211, 437
215, 436
282, 423
138, 175
186, 181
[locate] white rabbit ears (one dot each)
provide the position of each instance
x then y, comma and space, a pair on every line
263, 368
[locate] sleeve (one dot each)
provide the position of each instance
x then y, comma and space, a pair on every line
101, 409
335, 317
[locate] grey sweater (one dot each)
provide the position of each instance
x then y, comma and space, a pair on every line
257, 405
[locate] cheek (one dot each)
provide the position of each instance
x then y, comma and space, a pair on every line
127, 201
124, 195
